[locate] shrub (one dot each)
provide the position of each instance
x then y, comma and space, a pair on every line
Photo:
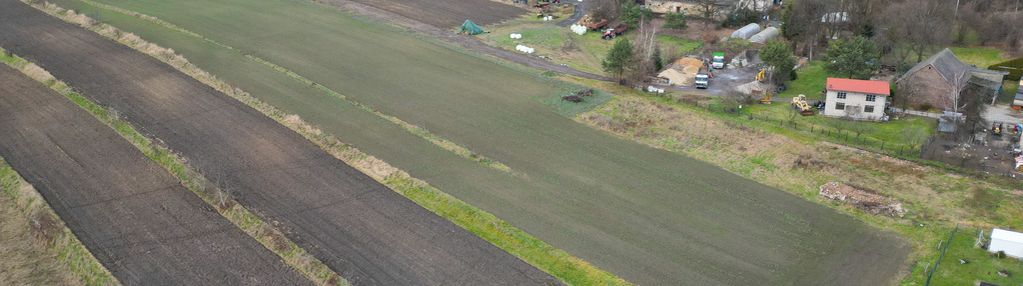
1013, 67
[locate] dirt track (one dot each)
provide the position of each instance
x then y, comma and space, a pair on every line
366, 232
447, 14
135, 217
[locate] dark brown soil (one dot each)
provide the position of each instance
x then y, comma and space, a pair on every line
358, 227
448, 13
130, 213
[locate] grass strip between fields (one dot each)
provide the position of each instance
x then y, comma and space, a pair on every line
56, 237
70, 251
411, 128
560, 264
265, 233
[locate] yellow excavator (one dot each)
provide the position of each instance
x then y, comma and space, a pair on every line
762, 75
799, 102
766, 94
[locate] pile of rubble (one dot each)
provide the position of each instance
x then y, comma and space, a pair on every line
868, 201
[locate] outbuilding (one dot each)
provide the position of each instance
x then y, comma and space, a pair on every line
765, 35
856, 99
1010, 242
746, 31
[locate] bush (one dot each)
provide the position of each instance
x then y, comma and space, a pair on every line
1013, 67
674, 21
999, 254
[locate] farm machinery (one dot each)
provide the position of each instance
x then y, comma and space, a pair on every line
614, 32
799, 103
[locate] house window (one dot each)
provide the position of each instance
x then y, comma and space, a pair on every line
868, 108
839, 106
871, 97
841, 95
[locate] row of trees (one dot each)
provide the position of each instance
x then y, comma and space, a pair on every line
903, 29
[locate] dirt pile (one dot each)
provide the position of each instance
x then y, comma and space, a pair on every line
866, 200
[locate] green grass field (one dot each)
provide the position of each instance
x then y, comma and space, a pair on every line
646, 215
979, 56
980, 266
678, 45
810, 82
936, 200
583, 52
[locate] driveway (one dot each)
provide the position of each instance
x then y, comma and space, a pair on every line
1002, 113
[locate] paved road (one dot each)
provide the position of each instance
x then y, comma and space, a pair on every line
360, 228
135, 218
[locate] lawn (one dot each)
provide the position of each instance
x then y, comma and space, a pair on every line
612, 202
680, 46
893, 133
979, 56
559, 44
810, 81
980, 266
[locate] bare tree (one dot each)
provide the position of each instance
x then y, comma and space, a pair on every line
644, 47
803, 24
604, 9
920, 25
707, 8
953, 101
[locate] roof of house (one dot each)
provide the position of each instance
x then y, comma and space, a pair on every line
946, 63
1002, 234
860, 86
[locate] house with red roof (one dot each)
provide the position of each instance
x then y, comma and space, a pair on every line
856, 99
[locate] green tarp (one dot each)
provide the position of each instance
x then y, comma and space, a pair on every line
471, 28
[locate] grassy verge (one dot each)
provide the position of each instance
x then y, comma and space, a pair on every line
263, 232
50, 230
558, 263
935, 198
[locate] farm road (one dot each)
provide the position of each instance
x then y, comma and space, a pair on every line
365, 231
136, 218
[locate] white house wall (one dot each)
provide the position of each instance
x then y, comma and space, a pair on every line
853, 99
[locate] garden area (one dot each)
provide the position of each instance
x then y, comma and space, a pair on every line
582, 52
556, 43
964, 263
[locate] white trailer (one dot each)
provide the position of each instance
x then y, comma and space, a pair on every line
1010, 242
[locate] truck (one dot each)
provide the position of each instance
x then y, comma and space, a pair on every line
718, 60
702, 80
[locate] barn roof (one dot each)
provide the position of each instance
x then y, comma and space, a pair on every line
946, 63
860, 86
